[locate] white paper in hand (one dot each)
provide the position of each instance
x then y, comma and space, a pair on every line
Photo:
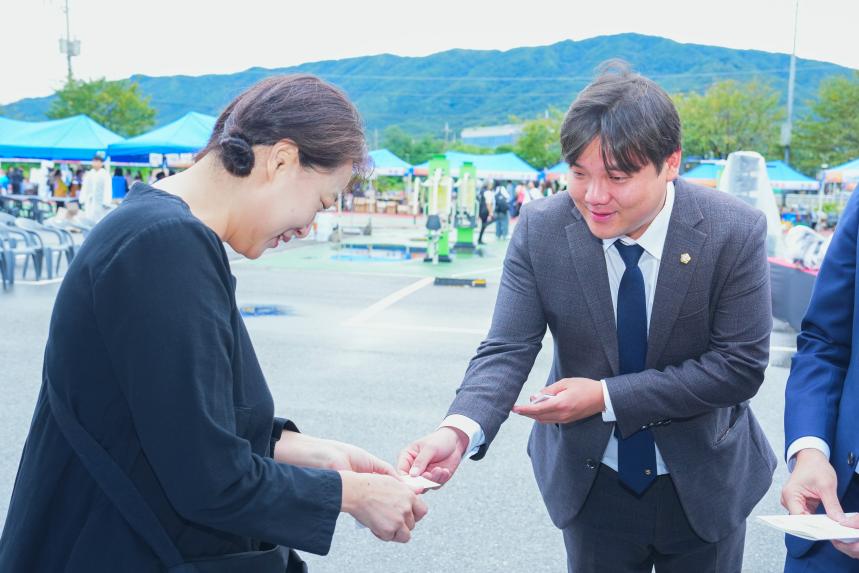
419, 482
811, 527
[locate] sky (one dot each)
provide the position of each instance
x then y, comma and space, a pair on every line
192, 37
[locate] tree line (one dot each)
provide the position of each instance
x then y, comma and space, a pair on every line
728, 116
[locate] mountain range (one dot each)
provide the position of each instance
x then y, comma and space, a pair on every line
465, 88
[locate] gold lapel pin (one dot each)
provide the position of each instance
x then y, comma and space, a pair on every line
685, 258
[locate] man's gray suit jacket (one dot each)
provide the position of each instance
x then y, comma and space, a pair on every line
708, 346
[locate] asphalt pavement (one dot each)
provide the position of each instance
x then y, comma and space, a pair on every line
370, 352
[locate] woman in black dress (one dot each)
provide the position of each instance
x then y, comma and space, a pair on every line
154, 445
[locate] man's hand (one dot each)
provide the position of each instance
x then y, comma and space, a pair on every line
849, 549
575, 399
435, 456
812, 482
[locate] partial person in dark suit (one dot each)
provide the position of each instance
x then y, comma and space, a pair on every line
821, 405
657, 295
154, 445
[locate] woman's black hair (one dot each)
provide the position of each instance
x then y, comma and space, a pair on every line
313, 114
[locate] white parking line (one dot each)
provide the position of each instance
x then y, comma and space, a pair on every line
389, 300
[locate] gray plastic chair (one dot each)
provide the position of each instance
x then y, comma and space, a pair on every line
54, 243
5, 254
16, 242
73, 228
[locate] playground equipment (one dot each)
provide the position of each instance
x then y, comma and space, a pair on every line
466, 207
437, 195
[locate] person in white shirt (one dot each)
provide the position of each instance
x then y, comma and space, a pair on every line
96, 196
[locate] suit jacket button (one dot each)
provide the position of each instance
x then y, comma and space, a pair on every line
590, 464
648, 472
851, 459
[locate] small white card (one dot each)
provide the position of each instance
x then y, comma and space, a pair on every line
419, 482
812, 527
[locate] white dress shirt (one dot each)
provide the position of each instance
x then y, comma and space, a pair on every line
653, 243
804, 443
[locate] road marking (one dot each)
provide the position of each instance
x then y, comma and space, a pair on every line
389, 300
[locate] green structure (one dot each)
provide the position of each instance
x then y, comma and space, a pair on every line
437, 205
466, 207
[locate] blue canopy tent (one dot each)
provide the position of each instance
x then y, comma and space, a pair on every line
558, 170
499, 166
705, 174
560, 167
784, 177
386, 163
8, 126
74, 138
847, 174
188, 134
781, 175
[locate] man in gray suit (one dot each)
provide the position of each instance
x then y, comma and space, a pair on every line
657, 295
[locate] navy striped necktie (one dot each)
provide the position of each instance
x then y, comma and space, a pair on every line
636, 454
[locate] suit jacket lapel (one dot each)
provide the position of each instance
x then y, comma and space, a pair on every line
589, 261
674, 277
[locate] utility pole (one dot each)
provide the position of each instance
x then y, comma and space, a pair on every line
67, 46
788, 125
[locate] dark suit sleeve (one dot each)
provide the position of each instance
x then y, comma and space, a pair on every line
824, 344
501, 365
730, 371
163, 306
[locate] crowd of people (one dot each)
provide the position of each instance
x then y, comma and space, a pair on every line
90, 191
67, 179
498, 204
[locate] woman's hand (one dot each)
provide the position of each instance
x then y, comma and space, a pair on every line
341, 456
306, 451
384, 504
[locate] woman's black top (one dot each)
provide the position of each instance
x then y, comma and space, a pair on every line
148, 348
